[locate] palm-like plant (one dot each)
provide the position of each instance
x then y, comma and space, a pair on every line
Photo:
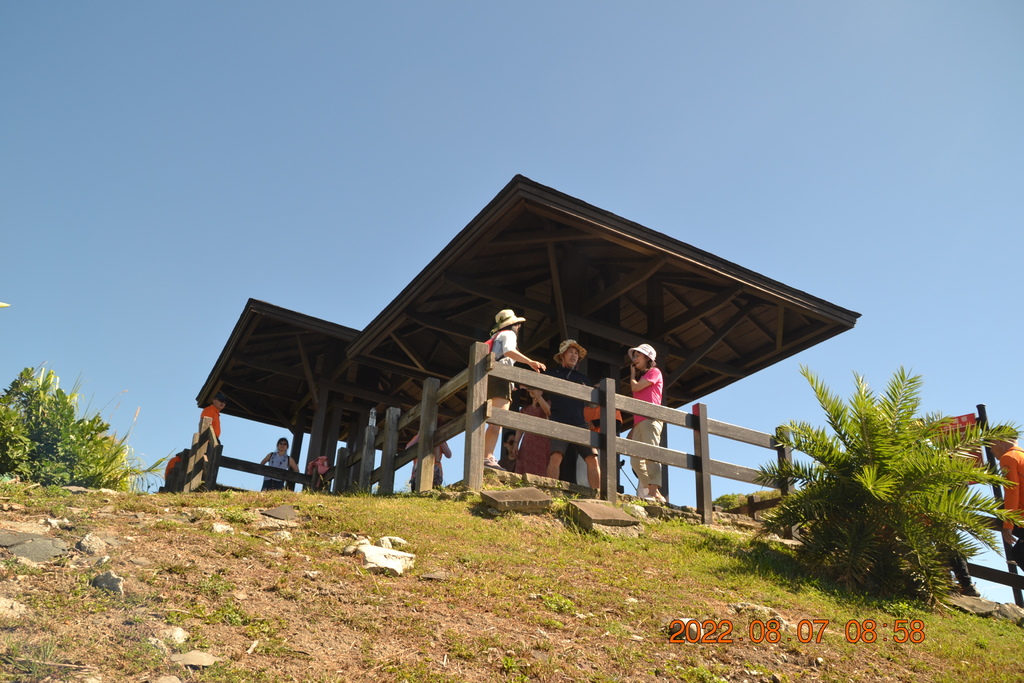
45, 439
885, 502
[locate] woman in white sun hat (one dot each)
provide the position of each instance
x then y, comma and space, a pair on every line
504, 336
645, 430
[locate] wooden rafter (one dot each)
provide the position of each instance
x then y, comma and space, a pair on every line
704, 348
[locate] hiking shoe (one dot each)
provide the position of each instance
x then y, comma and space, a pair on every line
970, 591
494, 466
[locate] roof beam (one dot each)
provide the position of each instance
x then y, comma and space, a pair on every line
308, 369
499, 294
622, 285
556, 291
706, 347
442, 325
407, 350
709, 307
549, 235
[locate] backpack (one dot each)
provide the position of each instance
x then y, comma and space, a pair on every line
490, 342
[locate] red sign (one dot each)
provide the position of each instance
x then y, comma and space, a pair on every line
959, 424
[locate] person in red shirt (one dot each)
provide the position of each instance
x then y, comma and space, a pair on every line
212, 411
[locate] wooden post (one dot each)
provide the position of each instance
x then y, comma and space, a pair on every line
212, 466
331, 436
296, 451
317, 434
608, 456
702, 454
785, 455
476, 417
368, 451
337, 485
389, 451
425, 446
355, 445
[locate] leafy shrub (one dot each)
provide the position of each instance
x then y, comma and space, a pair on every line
886, 502
43, 439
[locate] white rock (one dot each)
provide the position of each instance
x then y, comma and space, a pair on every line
223, 528
92, 545
389, 562
195, 658
395, 541
637, 511
10, 609
281, 535
175, 634
159, 644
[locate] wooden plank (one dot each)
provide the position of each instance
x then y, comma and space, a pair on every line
553, 430
368, 454
607, 455
735, 472
637, 407
453, 386
450, 430
546, 382
424, 480
686, 461
388, 452
996, 575
476, 417
742, 434
250, 467
702, 451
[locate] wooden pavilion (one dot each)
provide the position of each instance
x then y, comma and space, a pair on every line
572, 269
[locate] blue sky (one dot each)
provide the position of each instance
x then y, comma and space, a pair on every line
161, 163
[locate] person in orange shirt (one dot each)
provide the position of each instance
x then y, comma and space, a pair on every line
212, 411
1011, 459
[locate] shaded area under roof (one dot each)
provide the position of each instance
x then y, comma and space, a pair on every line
572, 269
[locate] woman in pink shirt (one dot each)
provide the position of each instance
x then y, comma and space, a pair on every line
647, 388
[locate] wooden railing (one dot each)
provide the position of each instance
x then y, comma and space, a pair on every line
357, 471
201, 464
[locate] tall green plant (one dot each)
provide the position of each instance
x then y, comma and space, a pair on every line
885, 502
44, 439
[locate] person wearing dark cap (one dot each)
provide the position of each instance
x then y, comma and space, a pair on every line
504, 336
570, 411
212, 411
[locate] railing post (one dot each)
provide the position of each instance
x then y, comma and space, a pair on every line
212, 466
608, 457
425, 446
389, 451
338, 483
476, 417
702, 454
369, 452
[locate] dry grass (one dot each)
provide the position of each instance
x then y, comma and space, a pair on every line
528, 598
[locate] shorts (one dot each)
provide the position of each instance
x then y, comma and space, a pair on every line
499, 388
272, 485
568, 449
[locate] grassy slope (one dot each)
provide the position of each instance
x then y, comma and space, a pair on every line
527, 599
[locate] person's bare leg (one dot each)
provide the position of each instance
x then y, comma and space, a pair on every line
593, 472
493, 430
554, 465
